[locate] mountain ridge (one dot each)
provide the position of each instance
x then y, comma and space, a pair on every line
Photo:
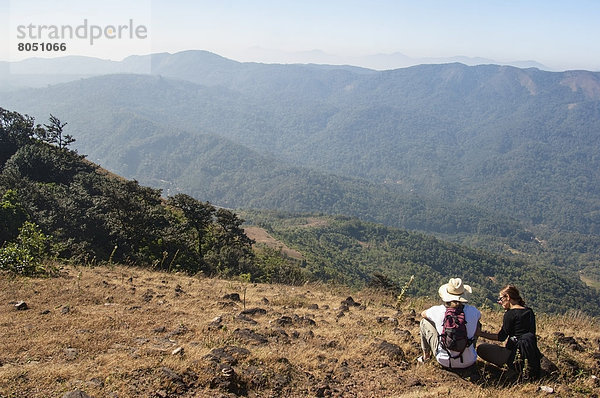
508, 140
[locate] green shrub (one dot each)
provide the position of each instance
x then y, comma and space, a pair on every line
27, 254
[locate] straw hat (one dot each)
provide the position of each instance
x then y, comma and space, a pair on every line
455, 290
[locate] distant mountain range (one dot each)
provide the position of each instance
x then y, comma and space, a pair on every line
39, 72
483, 150
375, 61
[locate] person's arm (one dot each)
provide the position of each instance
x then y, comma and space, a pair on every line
424, 313
485, 335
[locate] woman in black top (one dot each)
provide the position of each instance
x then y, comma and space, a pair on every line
519, 326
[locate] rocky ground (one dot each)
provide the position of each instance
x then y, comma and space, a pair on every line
129, 332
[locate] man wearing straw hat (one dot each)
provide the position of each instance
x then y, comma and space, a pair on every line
455, 296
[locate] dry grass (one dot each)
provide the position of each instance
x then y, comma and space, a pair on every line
261, 236
122, 325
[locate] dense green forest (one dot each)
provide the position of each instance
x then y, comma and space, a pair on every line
56, 204
355, 252
489, 156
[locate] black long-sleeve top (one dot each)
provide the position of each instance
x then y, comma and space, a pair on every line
517, 322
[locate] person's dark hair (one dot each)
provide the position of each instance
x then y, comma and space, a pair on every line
513, 293
454, 304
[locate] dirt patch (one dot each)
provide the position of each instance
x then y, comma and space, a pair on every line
262, 236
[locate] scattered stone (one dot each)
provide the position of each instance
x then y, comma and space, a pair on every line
547, 366
65, 310
148, 295
171, 381
254, 311
227, 304
215, 324
325, 307
71, 353
75, 394
160, 329
284, 321
45, 312
403, 333
280, 335
344, 372
227, 380
177, 351
257, 378
547, 389
21, 306
178, 289
388, 320
232, 297
245, 318
228, 355
332, 344
344, 308
391, 350
340, 314
568, 341
313, 307
323, 390
304, 321
109, 299
264, 300
141, 340
178, 331
96, 382
414, 382
350, 302
250, 336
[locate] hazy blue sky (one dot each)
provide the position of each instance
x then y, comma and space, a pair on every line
560, 34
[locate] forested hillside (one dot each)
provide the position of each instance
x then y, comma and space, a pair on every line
515, 141
354, 252
57, 205
490, 156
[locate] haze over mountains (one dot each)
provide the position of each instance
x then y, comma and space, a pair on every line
39, 72
375, 61
490, 150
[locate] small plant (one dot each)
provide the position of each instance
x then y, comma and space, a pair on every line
112, 254
245, 280
172, 260
79, 281
400, 298
558, 348
164, 257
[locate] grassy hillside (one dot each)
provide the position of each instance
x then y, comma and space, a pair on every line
131, 332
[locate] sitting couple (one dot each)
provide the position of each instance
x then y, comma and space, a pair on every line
449, 331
